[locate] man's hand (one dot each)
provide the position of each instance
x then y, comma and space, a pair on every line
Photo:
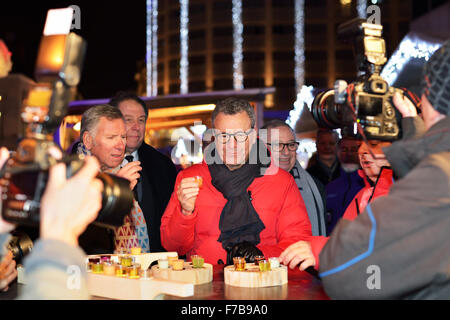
404, 105
68, 206
299, 252
4, 226
8, 271
187, 193
130, 171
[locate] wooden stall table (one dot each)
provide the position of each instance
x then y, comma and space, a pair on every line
301, 286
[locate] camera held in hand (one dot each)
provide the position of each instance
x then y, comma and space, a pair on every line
24, 176
369, 100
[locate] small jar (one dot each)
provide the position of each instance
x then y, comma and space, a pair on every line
105, 258
136, 251
134, 271
126, 261
121, 271
97, 267
178, 264
163, 263
146, 274
274, 262
197, 261
239, 263
171, 260
199, 181
91, 261
109, 268
258, 259
264, 265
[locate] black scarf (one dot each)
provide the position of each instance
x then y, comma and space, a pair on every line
239, 220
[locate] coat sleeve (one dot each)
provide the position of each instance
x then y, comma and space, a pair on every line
292, 225
177, 230
398, 246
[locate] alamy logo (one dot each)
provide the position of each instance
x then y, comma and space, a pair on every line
76, 20
374, 280
373, 14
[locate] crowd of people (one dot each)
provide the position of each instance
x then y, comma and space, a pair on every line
359, 203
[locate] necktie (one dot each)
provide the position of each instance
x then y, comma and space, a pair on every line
130, 158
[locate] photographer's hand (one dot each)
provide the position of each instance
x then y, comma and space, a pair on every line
68, 206
8, 271
404, 105
4, 226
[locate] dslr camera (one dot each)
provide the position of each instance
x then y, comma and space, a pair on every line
367, 102
25, 174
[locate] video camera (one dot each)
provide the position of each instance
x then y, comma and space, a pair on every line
367, 102
25, 174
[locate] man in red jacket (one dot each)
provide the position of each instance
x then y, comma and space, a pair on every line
244, 206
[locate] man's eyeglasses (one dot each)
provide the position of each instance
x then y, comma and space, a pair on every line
239, 136
278, 147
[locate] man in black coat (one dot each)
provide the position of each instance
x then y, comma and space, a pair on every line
158, 174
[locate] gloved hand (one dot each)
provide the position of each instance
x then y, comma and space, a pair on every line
244, 249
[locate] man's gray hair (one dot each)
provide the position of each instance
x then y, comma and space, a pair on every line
231, 106
91, 117
277, 123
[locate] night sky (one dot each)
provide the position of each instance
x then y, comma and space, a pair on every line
114, 31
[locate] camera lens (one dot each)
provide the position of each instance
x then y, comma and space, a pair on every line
328, 114
117, 200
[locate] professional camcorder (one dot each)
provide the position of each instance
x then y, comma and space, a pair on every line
367, 102
25, 174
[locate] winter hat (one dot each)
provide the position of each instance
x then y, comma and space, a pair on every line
436, 79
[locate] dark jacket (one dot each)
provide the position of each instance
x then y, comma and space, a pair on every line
399, 247
158, 179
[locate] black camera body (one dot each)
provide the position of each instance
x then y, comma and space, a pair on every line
367, 102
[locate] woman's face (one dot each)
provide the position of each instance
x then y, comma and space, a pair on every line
369, 164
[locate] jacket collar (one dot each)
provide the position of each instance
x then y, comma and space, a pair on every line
404, 155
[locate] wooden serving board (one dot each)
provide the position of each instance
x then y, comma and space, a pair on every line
135, 289
189, 274
253, 278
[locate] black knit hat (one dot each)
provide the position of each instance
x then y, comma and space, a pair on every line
436, 79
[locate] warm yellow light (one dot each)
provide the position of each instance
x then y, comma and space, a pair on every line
346, 2
77, 126
180, 111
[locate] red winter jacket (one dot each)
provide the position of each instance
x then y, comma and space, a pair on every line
382, 187
276, 199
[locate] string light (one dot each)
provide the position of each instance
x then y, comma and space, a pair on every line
411, 47
155, 47
238, 79
184, 45
305, 96
149, 47
361, 7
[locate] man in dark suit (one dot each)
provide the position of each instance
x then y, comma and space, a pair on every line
158, 174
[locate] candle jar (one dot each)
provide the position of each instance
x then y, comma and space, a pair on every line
197, 261
91, 261
126, 261
264, 265
105, 258
109, 268
274, 262
239, 263
163, 263
171, 260
199, 181
97, 267
136, 251
178, 264
121, 271
134, 271
258, 259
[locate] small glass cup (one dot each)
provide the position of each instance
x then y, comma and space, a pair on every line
171, 260
134, 271
146, 274
126, 261
109, 268
121, 271
264, 265
199, 181
105, 258
274, 262
258, 259
136, 251
163, 263
91, 261
239, 263
197, 261
97, 267
178, 265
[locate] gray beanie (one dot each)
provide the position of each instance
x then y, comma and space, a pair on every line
436, 79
